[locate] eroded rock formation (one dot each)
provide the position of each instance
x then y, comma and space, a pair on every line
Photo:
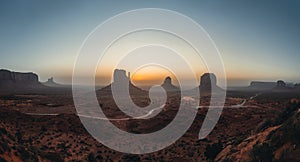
52, 83
18, 82
281, 84
17, 77
121, 81
208, 80
257, 85
168, 86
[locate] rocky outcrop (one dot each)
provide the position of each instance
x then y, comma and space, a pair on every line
17, 81
168, 86
270, 86
51, 83
242, 152
208, 81
17, 77
120, 76
120, 80
120, 83
257, 85
280, 84
279, 141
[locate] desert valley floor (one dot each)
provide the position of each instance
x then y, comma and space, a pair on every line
45, 127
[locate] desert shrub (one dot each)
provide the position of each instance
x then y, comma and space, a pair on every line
99, 157
4, 145
213, 150
3, 131
262, 152
53, 157
91, 157
25, 155
292, 129
190, 154
43, 129
286, 113
227, 160
264, 125
11, 137
19, 136
28, 154
130, 158
289, 131
2, 159
62, 146
238, 140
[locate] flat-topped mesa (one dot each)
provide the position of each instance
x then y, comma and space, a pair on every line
168, 86
17, 77
17, 82
262, 85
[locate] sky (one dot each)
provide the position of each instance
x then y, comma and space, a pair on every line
258, 40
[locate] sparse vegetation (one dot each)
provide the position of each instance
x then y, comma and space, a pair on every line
262, 152
53, 156
130, 158
91, 157
63, 138
213, 150
264, 124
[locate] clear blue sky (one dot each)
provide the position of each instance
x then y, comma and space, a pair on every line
258, 40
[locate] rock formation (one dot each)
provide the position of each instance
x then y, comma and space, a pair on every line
208, 81
52, 83
121, 80
256, 85
281, 84
168, 86
18, 82
278, 141
120, 76
17, 77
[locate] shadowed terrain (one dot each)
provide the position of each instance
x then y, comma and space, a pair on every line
254, 126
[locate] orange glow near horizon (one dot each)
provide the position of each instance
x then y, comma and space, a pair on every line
151, 75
